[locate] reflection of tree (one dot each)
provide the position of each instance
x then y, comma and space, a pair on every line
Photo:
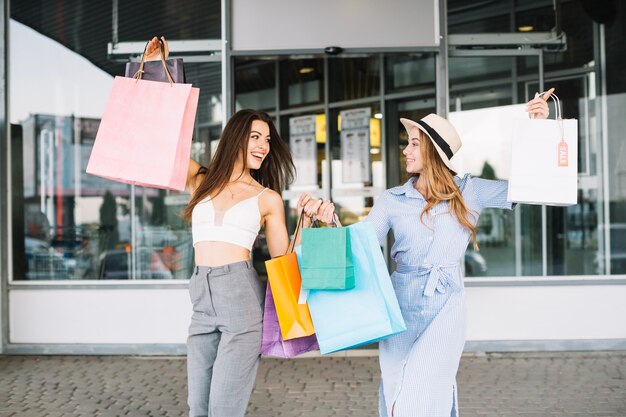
37, 226
488, 172
348, 217
109, 235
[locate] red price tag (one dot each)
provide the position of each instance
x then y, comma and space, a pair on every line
563, 154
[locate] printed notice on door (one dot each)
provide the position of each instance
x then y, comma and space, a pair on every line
303, 150
355, 145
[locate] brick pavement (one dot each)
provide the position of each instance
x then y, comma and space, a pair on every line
591, 384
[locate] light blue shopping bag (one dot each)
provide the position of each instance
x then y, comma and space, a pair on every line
365, 314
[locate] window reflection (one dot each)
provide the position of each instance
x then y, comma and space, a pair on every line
616, 103
354, 78
69, 225
406, 72
302, 82
255, 84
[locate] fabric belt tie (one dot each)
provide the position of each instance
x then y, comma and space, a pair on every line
439, 276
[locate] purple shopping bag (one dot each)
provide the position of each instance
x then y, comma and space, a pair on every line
273, 343
165, 70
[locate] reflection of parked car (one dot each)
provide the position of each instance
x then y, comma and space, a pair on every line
475, 264
490, 230
174, 247
115, 264
44, 263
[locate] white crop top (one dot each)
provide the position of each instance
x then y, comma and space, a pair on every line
239, 225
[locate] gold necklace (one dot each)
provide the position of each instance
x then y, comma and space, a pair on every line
232, 195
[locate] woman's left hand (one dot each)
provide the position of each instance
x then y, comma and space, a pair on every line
537, 108
322, 210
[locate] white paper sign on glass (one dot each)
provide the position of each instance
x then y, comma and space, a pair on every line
303, 148
355, 145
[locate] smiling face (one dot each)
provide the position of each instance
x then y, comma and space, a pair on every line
413, 152
258, 144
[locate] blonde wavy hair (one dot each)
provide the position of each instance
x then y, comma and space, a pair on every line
440, 186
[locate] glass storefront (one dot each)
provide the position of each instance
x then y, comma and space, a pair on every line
68, 225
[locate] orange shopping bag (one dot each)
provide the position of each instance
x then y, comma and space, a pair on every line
144, 136
284, 276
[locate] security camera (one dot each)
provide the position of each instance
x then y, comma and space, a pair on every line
333, 50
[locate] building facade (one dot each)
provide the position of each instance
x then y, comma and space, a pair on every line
89, 265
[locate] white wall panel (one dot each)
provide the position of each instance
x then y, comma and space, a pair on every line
546, 312
99, 316
509, 313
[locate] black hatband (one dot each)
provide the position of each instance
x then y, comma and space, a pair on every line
443, 145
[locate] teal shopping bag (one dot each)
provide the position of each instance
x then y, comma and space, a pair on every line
365, 314
326, 259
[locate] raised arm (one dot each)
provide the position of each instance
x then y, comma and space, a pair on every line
194, 176
493, 193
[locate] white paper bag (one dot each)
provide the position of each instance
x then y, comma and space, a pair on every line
544, 162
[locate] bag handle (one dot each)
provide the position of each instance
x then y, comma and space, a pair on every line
140, 72
295, 234
559, 113
557, 105
316, 222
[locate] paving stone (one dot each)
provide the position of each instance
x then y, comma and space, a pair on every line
538, 384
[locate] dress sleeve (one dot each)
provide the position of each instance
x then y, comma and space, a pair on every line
380, 218
492, 193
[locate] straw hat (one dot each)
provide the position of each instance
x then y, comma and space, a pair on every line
442, 134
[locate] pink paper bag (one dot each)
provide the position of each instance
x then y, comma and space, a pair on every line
145, 134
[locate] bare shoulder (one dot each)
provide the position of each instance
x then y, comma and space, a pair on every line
270, 201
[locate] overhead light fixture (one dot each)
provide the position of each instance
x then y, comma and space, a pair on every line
306, 70
526, 28
378, 116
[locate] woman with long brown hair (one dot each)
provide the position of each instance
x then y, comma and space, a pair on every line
433, 217
231, 199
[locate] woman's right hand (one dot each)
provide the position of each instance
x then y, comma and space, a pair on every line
154, 47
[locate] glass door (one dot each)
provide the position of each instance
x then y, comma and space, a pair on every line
572, 234
487, 89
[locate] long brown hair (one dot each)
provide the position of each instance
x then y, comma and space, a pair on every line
440, 186
276, 172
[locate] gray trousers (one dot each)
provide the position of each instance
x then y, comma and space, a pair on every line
223, 347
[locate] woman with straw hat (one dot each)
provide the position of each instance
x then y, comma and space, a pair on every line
432, 216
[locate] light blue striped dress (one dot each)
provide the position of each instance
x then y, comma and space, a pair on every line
419, 366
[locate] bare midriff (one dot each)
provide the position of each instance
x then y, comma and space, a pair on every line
219, 253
